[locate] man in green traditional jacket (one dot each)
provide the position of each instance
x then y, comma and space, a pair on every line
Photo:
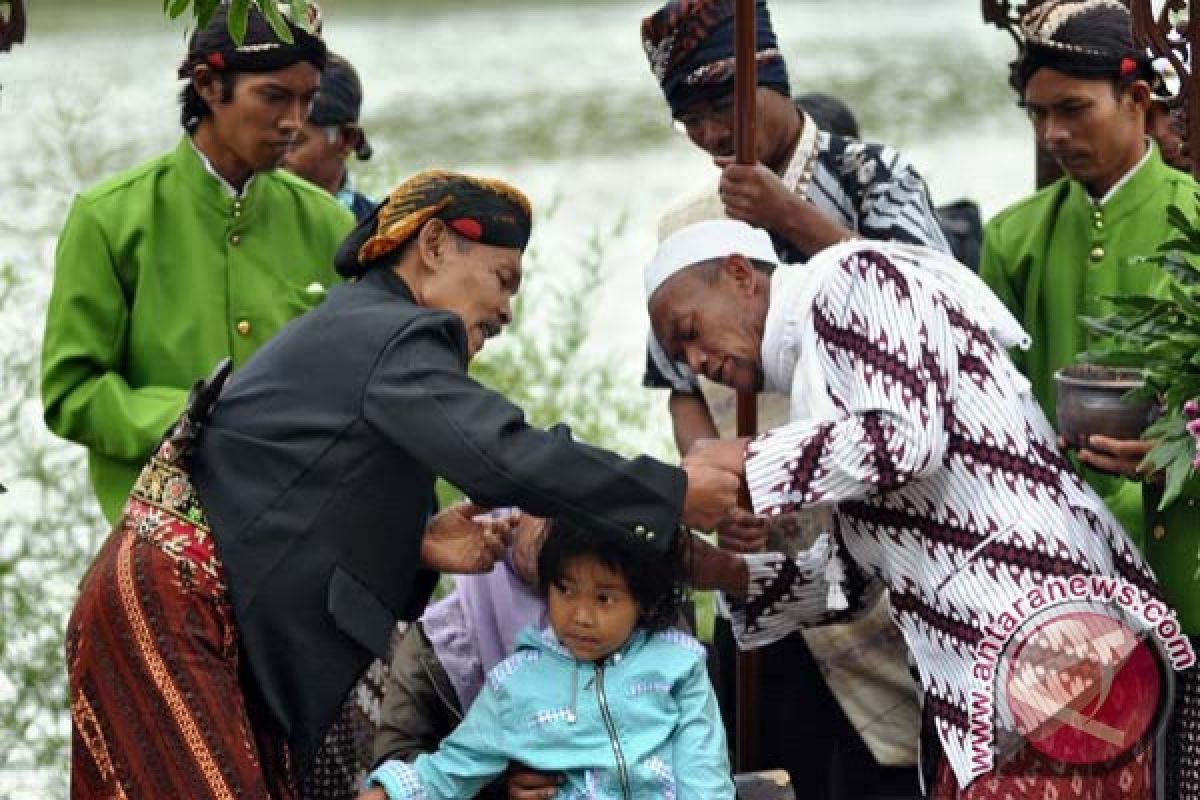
202, 253
1057, 254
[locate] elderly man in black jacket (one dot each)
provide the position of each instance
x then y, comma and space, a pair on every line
268, 548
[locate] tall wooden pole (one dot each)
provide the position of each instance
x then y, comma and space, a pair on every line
746, 745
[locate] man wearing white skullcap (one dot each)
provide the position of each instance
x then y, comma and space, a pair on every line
912, 426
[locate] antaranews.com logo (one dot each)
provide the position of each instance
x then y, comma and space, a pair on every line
1078, 668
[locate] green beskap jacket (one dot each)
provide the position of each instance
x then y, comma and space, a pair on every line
1054, 256
160, 274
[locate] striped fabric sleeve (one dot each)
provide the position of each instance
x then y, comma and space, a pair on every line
885, 352
895, 203
818, 586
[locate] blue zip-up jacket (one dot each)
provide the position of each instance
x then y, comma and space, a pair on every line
642, 724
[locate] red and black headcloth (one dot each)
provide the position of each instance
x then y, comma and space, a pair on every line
482, 210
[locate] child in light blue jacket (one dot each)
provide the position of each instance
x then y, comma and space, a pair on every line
609, 695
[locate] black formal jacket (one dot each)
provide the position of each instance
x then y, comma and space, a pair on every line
316, 471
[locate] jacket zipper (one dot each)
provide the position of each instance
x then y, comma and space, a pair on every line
612, 733
454, 712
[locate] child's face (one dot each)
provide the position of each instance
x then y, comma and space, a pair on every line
591, 609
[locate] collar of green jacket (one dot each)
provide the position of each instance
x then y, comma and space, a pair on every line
1134, 193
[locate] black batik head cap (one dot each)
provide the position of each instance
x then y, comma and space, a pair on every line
483, 210
261, 49
1086, 39
340, 101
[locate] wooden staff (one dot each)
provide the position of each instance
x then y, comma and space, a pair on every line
746, 738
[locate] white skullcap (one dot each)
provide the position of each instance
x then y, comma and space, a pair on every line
704, 241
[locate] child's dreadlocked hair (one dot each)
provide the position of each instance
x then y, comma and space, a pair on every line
657, 581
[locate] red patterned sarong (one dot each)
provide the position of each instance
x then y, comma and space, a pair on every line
1032, 776
157, 706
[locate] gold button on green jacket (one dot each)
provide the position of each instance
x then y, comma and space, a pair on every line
160, 274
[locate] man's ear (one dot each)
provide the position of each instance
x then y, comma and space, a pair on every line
207, 84
1140, 95
432, 241
347, 141
740, 271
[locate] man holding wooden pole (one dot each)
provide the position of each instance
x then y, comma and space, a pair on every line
810, 189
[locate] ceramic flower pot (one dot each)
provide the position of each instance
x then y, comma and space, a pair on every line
1091, 401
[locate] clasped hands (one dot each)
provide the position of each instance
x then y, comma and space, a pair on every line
716, 470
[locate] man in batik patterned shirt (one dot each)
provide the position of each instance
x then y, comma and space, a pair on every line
811, 189
912, 426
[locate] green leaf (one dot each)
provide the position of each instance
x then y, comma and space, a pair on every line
1180, 268
1179, 391
1116, 357
1140, 394
176, 7
1172, 245
239, 14
1136, 302
1180, 221
300, 14
1178, 471
275, 19
1184, 298
205, 10
1169, 426
1105, 326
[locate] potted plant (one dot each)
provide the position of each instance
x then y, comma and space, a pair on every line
1099, 399
1160, 336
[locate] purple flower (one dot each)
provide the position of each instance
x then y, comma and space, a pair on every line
1191, 409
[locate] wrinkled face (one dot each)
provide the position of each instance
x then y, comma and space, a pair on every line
475, 281
710, 125
256, 126
591, 609
1095, 134
714, 323
317, 156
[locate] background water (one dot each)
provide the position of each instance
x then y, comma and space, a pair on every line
554, 96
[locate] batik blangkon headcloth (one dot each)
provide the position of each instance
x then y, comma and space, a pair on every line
1087, 39
483, 210
690, 46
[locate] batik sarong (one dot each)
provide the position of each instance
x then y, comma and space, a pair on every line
1031, 775
160, 704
